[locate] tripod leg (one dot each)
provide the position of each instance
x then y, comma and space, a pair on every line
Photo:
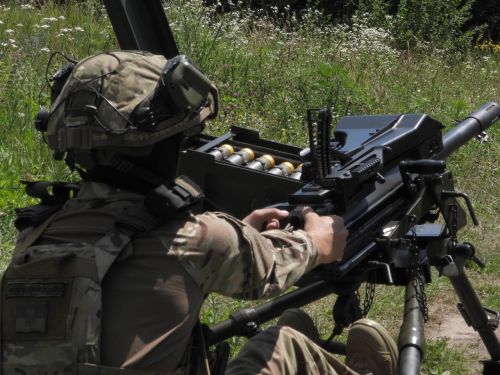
476, 316
411, 335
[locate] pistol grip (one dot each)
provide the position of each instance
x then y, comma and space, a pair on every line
296, 218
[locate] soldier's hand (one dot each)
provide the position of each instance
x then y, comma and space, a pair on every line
328, 233
266, 218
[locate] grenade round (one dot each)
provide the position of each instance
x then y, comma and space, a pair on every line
245, 155
298, 172
222, 152
284, 169
262, 163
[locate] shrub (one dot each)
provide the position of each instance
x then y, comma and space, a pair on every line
438, 23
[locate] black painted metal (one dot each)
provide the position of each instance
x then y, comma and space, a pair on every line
411, 335
232, 188
473, 125
235, 326
409, 361
491, 367
476, 314
141, 25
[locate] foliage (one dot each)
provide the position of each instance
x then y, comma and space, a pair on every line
28, 35
486, 13
439, 23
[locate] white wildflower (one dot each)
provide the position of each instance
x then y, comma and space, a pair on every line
49, 19
14, 45
44, 49
27, 6
44, 26
9, 31
5, 44
62, 17
78, 28
1, 22
21, 114
12, 41
19, 25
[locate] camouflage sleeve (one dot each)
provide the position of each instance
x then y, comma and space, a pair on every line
227, 256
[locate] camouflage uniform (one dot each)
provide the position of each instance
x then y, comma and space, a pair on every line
283, 350
153, 293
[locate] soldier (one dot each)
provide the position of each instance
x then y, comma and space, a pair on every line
110, 276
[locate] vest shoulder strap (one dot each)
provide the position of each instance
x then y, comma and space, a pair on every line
165, 201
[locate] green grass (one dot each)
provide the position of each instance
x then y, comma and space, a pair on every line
267, 78
441, 360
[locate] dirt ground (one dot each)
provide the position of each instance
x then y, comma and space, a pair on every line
447, 322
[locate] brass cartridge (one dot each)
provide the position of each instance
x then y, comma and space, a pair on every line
245, 155
222, 152
298, 172
284, 169
262, 163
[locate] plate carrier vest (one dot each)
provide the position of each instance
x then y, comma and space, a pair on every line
51, 294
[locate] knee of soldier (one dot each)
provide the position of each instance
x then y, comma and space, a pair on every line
282, 334
272, 332
276, 333
289, 331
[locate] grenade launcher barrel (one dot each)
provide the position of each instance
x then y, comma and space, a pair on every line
472, 126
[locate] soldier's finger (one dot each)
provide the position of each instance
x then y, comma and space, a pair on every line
273, 224
267, 214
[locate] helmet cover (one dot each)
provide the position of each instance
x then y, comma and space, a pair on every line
99, 105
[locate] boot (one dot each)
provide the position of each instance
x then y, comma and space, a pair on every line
300, 321
370, 349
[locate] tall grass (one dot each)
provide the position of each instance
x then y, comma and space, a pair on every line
268, 76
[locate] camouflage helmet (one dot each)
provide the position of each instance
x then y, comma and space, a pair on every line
126, 100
